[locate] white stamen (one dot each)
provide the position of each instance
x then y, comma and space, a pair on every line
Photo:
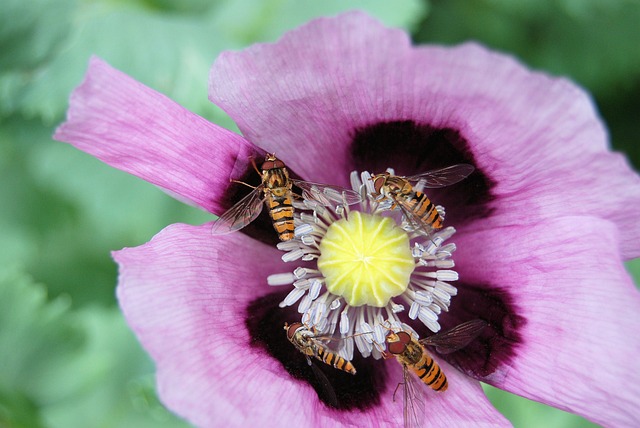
447, 233
320, 310
435, 308
314, 291
308, 240
431, 325
322, 324
427, 314
280, 279
302, 284
449, 248
413, 310
447, 288
442, 295
308, 219
363, 346
375, 353
300, 272
422, 298
292, 297
304, 305
367, 181
303, 229
396, 308
287, 245
335, 304
379, 333
446, 275
292, 255
367, 330
347, 349
417, 250
344, 322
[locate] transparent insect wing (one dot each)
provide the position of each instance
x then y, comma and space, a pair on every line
413, 400
324, 384
241, 214
327, 194
456, 338
443, 177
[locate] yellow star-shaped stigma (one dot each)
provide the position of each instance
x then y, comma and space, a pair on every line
366, 259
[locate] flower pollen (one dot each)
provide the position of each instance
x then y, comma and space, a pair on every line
366, 259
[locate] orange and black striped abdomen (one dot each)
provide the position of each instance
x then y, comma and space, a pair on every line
335, 360
429, 372
420, 205
281, 212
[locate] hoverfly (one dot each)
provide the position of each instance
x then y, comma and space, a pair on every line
310, 344
275, 191
418, 210
414, 357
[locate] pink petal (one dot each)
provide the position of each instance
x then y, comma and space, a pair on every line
592, 184
463, 404
185, 295
537, 138
138, 130
579, 339
318, 84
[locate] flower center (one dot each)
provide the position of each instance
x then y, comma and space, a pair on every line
366, 259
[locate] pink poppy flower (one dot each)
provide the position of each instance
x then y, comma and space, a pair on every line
543, 226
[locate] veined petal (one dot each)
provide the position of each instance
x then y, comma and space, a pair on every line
138, 130
578, 340
185, 295
347, 93
463, 404
319, 84
600, 185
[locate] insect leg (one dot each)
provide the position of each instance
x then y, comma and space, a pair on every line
242, 182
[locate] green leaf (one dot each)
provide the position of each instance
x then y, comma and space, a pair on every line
115, 385
18, 411
633, 266
32, 31
172, 54
36, 338
524, 413
61, 368
251, 21
67, 211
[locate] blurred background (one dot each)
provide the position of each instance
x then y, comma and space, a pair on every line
67, 359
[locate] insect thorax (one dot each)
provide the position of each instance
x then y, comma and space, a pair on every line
304, 343
277, 178
412, 354
397, 185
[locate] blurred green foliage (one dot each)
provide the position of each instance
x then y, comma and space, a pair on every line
68, 358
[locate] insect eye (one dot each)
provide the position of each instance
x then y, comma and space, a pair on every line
404, 337
396, 347
291, 330
269, 165
377, 183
